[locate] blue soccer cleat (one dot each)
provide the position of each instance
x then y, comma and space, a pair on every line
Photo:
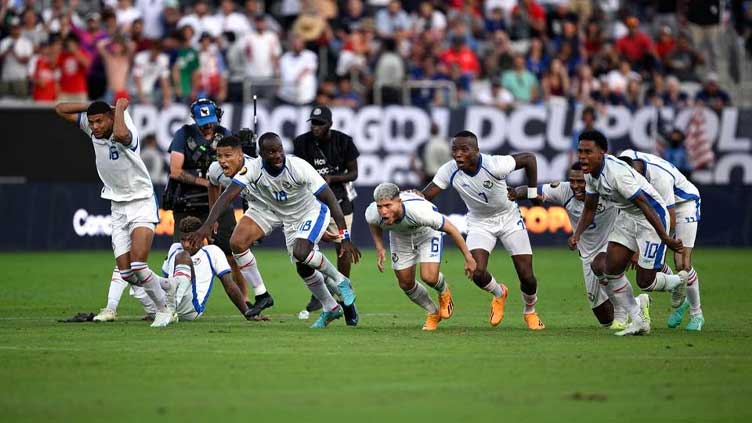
346, 290
327, 317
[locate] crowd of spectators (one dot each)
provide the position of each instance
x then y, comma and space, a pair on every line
339, 53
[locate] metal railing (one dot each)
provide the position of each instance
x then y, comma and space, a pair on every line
248, 88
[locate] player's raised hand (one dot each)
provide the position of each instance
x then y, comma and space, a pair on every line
674, 244
572, 242
380, 254
122, 103
347, 247
470, 266
196, 239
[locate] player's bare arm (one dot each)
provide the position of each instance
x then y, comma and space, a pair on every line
70, 111
431, 191
233, 292
327, 197
224, 200
350, 175
377, 234
120, 133
671, 220
588, 214
530, 164
179, 174
456, 236
656, 223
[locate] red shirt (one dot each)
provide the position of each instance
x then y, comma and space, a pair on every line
465, 58
635, 47
72, 74
663, 48
535, 11
45, 76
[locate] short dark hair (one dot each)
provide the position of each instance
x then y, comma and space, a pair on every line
98, 107
595, 136
189, 224
576, 166
465, 134
590, 110
229, 141
267, 136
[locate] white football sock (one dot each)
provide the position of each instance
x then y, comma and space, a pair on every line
664, 282
530, 301
146, 278
140, 294
319, 262
419, 295
619, 290
494, 288
117, 286
315, 284
693, 293
332, 286
249, 269
441, 284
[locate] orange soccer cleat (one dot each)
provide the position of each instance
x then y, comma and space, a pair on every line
533, 321
446, 305
432, 322
497, 307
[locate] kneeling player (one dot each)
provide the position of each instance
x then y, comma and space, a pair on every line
592, 245
415, 237
193, 268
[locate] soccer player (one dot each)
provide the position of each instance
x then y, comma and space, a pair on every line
193, 268
127, 185
292, 188
415, 236
480, 181
641, 226
592, 244
683, 203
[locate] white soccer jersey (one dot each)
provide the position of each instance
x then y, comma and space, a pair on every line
120, 167
620, 184
595, 236
291, 194
420, 217
208, 262
218, 178
485, 192
666, 178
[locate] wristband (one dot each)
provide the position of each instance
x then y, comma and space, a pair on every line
344, 234
532, 192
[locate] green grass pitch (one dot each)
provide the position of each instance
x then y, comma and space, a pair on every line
386, 369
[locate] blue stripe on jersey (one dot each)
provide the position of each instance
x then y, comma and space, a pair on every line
78, 119
132, 141
480, 166
318, 225
658, 263
167, 260
220, 274
568, 200
688, 196
451, 178
200, 307
661, 168
441, 246
235, 181
157, 203
443, 220
321, 188
492, 175
633, 196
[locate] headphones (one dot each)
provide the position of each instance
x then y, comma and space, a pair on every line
205, 102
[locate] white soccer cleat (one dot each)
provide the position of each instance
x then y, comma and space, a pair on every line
106, 315
644, 301
304, 315
679, 293
638, 326
164, 318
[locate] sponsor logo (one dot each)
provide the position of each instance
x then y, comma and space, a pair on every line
85, 224
196, 261
487, 184
395, 257
204, 111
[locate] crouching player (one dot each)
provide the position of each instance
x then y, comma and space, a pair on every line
193, 268
592, 244
415, 236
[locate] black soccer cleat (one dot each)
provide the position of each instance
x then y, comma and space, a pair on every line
263, 301
313, 305
351, 314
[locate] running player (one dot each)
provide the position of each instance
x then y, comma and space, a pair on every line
641, 226
480, 181
683, 202
592, 245
291, 188
415, 236
127, 185
193, 269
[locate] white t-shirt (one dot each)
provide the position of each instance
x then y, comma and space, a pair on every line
125, 17
207, 23
670, 183
620, 184
14, 70
596, 235
120, 167
151, 11
150, 71
420, 217
260, 49
208, 262
290, 66
485, 192
234, 22
291, 194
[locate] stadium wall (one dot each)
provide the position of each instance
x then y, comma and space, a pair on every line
51, 192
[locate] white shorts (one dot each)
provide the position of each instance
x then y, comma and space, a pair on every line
189, 307
333, 229
407, 250
310, 227
129, 215
596, 292
687, 218
264, 218
638, 235
509, 228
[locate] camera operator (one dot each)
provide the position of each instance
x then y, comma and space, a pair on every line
334, 155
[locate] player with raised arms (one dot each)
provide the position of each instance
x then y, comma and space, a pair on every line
592, 244
683, 203
127, 185
292, 188
641, 226
415, 236
480, 181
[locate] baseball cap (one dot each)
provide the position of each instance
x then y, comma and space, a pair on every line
205, 113
321, 114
